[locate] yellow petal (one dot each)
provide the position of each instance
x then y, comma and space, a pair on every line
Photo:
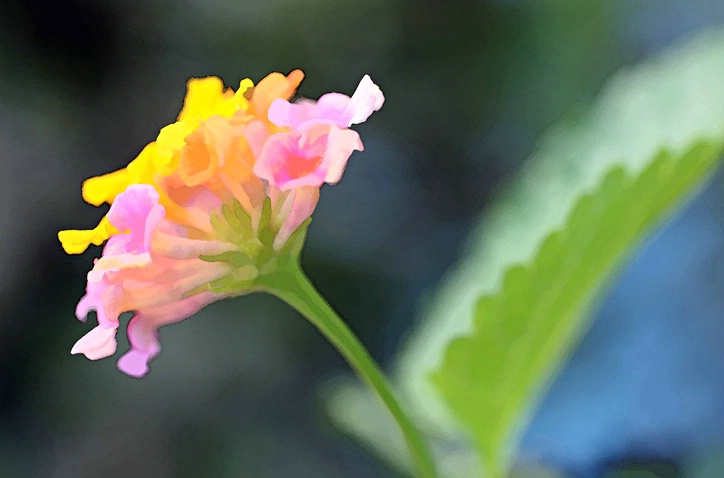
243, 94
206, 97
202, 95
143, 169
170, 141
77, 241
104, 188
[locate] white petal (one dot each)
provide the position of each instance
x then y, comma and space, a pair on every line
97, 344
366, 99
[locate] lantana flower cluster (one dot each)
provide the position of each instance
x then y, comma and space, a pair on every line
212, 206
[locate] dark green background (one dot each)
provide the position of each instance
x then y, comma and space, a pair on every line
84, 85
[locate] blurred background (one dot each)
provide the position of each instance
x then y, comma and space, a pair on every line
470, 86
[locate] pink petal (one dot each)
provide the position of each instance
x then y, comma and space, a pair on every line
302, 206
285, 114
138, 211
134, 363
143, 331
333, 108
287, 165
105, 299
97, 344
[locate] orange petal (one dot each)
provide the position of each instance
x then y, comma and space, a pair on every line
273, 86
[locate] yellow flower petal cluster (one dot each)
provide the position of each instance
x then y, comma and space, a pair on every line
205, 97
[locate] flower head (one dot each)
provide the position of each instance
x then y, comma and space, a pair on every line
212, 208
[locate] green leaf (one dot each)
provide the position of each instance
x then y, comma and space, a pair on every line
672, 102
522, 333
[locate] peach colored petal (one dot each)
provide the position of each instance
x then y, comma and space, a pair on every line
175, 247
207, 148
341, 143
256, 134
273, 86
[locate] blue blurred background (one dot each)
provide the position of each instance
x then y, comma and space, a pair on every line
470, 85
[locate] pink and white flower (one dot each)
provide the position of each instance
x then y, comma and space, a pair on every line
211, 206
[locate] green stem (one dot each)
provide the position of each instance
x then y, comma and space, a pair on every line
493, 465
293, 287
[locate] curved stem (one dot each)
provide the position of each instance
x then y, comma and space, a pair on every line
294, 288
